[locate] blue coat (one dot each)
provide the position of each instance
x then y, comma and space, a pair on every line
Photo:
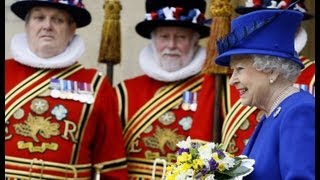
283, 145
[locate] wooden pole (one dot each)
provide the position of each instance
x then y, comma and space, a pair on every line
110, 72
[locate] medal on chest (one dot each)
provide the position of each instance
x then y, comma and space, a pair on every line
72, 90
189, 101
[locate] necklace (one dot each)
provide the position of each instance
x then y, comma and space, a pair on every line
283, 95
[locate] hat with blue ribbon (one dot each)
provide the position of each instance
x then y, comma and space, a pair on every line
264, 32
75, 8
254, 5
182, 13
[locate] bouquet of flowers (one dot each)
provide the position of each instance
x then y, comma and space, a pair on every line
207, 162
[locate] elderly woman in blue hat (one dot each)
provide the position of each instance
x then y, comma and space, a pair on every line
237, 130
60, 117
260, 51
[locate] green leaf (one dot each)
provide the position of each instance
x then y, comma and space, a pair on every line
220, 176
240, 170
194, 153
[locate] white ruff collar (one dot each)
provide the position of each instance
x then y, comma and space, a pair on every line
153, 70
21, 53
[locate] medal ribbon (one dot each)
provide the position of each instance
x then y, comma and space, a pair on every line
33, 86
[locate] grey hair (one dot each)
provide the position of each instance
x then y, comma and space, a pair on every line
287, 68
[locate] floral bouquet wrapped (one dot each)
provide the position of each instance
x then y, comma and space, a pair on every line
207, 162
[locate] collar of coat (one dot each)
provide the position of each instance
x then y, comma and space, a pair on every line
21, 53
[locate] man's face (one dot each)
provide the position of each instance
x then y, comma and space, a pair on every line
49, 31
174, 46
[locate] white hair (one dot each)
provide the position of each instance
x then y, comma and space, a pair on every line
287, 68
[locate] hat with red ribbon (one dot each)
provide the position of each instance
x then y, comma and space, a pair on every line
182, 13
254, 5
75, 8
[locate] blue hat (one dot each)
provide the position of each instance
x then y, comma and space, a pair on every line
264, 32
182, 13
75, 8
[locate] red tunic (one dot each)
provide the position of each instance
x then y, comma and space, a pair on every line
154, 120
240, 121
54, 138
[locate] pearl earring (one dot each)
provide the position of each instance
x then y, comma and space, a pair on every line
271, 81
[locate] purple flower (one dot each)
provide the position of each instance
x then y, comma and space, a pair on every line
213, 165
195, 145
204, 171
220, 153
180, 151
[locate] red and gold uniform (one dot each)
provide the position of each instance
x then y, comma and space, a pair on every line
155, 120
60, 138
240, 121
171, 101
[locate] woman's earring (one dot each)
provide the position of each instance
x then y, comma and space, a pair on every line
271, 81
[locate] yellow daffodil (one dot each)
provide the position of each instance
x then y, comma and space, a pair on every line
197, 164
184, 157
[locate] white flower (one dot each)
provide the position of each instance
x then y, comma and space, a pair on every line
211, 145
181, 176
243, 156
205, 151
185, 144
228, 162
190, 174
210, 177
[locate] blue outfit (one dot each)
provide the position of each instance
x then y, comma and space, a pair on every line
283, 145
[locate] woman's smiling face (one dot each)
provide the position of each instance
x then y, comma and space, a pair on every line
253, 85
